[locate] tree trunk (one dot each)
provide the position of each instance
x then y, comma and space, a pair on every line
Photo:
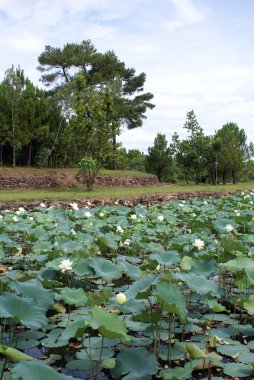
29, 155
224, 176
13, 156
234, 177
13, 136
1, 154
114, 164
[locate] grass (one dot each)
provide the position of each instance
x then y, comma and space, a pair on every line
71, 194
27, 171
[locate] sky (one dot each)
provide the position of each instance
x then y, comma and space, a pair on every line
197, 54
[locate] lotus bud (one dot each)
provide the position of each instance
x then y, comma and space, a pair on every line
121, 298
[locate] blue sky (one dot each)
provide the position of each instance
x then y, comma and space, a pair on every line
197, 54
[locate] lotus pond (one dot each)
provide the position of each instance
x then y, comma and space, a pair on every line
120, 292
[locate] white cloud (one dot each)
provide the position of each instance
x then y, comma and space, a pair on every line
186, 14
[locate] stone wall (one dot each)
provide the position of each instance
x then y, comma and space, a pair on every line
63, 179
130, 201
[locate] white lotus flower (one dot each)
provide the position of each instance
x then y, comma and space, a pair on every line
21, 209
74, 206
15, 219
158, 267
160, 218
133, 217
30, 218
119, 229
17, 212
43, 205
101, 214
121, 298
229, 228
199, 244
127, 242
87, 214
73, 232
205, 203
65, 265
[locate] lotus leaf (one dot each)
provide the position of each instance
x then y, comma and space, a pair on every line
109, 325
36, 370
29, 313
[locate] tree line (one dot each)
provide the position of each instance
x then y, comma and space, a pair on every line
223, 157
89, 98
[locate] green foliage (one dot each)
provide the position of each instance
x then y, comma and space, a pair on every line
158, 161
36, 370
174, 292
136, 160
232, 152
88, 171
14, 355
192, 153
108, 324
114, 94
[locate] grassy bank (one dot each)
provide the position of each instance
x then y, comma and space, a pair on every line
62, 194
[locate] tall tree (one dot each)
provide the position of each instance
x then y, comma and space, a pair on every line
33, 112
158, 160
14, 84
5, 131
128, 102
233, 150
193, 152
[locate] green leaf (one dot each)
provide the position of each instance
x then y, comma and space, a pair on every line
241, 263
31, 289
215, 306
199, 284
106, 269
141, 286
137, 363
74, 329
249, 305
171, 298
220, 224
167, 258
108, 363
177, 373
13, 354
72, 296
231, 245
186, 263
29, 314
80, 365
194, 351
109, 325
36, 370
204, 267
237, 370
232, 350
